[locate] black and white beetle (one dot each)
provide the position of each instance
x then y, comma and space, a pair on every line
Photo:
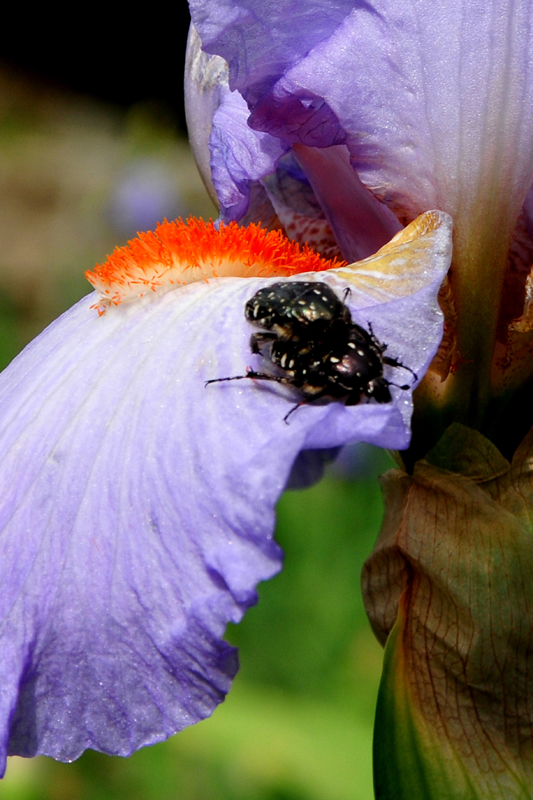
309, 337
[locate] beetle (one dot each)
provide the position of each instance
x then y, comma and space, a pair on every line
309, 338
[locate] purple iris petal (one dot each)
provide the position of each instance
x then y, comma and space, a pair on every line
230, 155
297, 208
361, 223
434, 101
206, 80
138, 504
254, 180
279, 34
239, 155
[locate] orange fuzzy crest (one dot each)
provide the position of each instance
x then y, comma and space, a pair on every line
177, 253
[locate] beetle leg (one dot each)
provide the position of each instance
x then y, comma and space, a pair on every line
258, 340
380, 347
262, 376
306, 402
393, 362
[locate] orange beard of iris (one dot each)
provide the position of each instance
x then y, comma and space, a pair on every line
180, 252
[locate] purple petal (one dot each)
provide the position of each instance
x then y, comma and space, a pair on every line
361, 223
438, 95
239, 155
261, 40
230, 155
138, 504
206, 78
297, 208
206, 89
434, 101
128, 539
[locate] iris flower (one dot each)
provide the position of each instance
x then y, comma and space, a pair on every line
137, 503
341, 122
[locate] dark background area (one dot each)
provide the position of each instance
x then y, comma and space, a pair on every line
120, 59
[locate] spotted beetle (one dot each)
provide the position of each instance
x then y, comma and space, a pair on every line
309, 337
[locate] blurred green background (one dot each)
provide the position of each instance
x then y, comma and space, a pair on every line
78, 177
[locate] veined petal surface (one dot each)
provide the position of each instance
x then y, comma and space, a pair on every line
281, 34
137, 507
428, 97
448, 587
239, 155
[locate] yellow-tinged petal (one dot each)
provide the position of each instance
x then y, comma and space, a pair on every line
402, 266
